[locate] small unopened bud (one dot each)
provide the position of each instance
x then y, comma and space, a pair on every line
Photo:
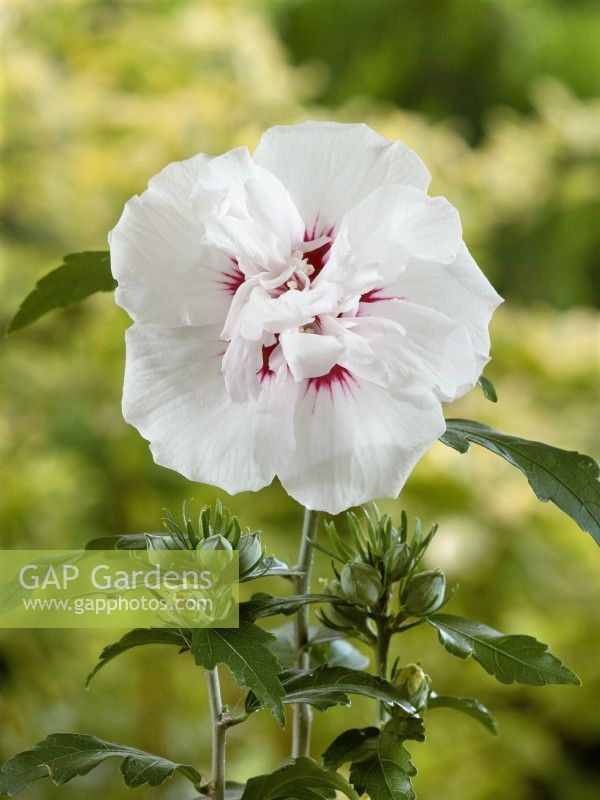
361, 583
341, 615
398, 561
414, 685
424, 593
216, 542
250, 550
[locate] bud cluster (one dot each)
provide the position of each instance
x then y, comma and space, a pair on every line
217, 529
377, 557
380, 575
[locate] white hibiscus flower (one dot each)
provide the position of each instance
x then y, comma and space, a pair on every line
302, 313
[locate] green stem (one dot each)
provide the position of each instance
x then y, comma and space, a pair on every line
219, 733
302, 714
381, 661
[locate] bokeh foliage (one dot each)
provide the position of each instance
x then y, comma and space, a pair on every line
501, 101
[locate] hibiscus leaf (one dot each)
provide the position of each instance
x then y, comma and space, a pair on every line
244, 652
382, 766
233, 790
270, 566
567, 478
300, 779
339, 653
488, 388
264, 605
138, 638
64, 756
129, 541
326, 648
510, 659
327, 686
466, 705
81, 275
348, 746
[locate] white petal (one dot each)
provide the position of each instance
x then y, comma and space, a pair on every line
165, 275
309, 355
328, 167
258, 312
393, 224
434, 353
241, 364
460, 291
356, 442
361, 353
175, 395
247, 212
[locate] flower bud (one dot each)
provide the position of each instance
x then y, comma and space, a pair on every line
414, 685
361, 583
424, 593
398, 561
216, 542
343, 616
250, 550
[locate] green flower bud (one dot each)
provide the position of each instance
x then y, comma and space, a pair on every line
398, 561
424, 593
361, 583
216, 542
414, 685
250, 550
343, 616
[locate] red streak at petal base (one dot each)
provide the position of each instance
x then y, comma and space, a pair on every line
337, 376
233, 279
373, 296
265, 371
317, 258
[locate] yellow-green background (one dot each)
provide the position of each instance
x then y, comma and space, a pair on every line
500, 97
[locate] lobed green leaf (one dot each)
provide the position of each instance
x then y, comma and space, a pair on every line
138, 638
300, 779
348, 746
265, 605
488, 388
64, 756
380, 764
567, 478
327, 686
81, 275
466, 705
510, 659
243, 650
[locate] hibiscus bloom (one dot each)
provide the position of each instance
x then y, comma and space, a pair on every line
300, 313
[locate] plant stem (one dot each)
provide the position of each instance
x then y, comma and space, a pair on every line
381, 658
302, 714
219, 733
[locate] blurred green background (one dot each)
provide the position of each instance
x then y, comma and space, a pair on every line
502, 100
